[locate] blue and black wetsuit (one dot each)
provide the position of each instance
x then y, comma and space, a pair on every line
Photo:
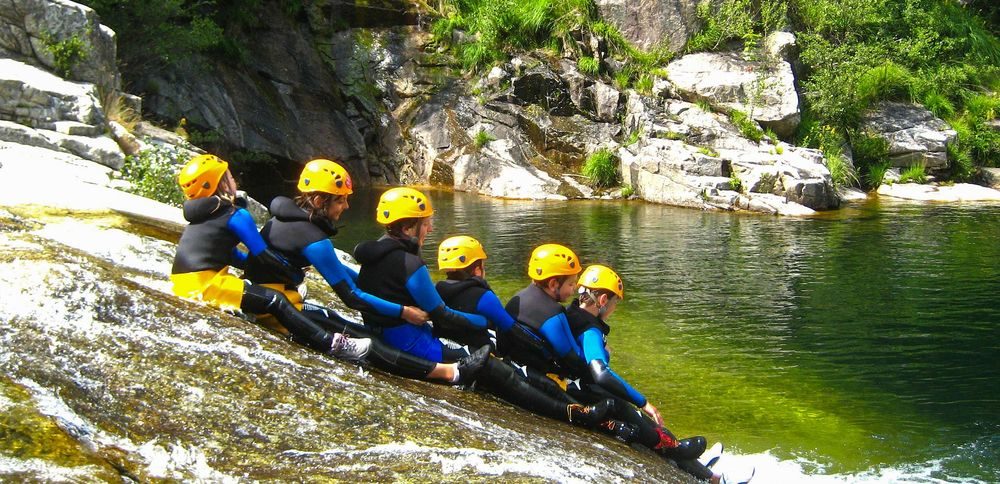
306, 241
600, 383
392, 270
209, 245
546, 318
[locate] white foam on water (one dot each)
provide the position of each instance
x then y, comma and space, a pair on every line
770, 469
536, 462
180, 462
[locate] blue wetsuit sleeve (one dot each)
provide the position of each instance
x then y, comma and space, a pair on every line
489, 306
351, 273
323, 257
421, 288
596, 355
242, 224
556, 331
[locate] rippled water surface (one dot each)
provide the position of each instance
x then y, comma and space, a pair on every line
861, 344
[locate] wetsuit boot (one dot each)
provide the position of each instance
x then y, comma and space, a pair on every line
591, 415
469, 366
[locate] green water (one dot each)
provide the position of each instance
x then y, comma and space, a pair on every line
854, 343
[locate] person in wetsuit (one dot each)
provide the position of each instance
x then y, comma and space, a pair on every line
209, 246
392, 269
600, 290
465, 289
301, 230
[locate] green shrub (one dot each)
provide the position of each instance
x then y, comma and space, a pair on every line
705, 150
628, 191
735, 184
601, 168
840, 172
644, 84
482, 137
704, 105
153, 174
748, 127
66, 53
736, 19
871, 157
875, 174
634, 137
885, 82
915, 174
589, 65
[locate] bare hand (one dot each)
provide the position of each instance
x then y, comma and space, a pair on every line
653, 413
415, 315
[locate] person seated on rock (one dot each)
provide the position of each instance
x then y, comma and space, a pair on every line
553, 269
600, 290
218, 223
301, 231
466, 290
392, 269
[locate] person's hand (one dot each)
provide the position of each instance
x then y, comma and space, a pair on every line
653, 413
415, 315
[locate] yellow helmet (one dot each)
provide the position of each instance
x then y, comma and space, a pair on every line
602, 277
402, 202
550, 260
459, 252
325, 176
200, 177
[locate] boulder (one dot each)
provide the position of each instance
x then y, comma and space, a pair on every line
991, 177
543, 87
34, 97
651, 23
101, 149
496, 171
26, 26
915, 135
959, 192
692, 158
763, 89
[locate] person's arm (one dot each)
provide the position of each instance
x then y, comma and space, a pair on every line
323, 257
556, 331
421, 288
268, 260
238, 258
490, 307
592, 341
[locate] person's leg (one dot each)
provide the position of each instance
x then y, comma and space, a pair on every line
333, 322
261, 300
500, 379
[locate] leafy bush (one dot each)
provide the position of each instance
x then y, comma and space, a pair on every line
875, 174
840, 172
601, 168
885, 82
915, 173
736, 19
628, 191
153, 174
66, 53
589, 65
748, 127
735, 184
634, 137
482, 137
871, 157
